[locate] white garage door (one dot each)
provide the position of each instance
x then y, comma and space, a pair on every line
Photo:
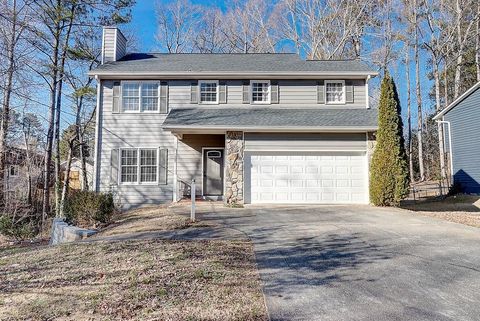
307, 178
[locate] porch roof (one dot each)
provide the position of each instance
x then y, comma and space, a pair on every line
271, 119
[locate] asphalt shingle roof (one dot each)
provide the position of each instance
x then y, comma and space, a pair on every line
162, 62
270, 117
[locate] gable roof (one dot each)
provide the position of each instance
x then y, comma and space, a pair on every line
229, 64
457, 101
272, 118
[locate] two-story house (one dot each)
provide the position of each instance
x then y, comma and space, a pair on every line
249, 128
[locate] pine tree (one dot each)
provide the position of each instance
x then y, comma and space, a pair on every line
389, 176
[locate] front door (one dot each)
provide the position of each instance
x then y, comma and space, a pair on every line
213, 172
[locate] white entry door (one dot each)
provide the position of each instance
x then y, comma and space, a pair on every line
276, 177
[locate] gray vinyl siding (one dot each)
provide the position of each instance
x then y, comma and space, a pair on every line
465, 131
133, 131
292, 94
121, 46
108, 44
305, 142
189, 157
109, 52
143, 130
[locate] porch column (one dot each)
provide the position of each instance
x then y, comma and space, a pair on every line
234, 146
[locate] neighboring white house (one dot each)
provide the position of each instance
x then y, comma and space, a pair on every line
16, 174
249, 128
76, 180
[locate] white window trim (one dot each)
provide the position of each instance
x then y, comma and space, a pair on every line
139, 110
200, 82
269, 92
343, 92
119, 179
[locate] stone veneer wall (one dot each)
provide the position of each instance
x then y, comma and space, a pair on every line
234, 146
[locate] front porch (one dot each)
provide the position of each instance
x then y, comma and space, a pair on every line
214, 161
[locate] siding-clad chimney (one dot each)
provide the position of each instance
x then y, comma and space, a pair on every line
114, 44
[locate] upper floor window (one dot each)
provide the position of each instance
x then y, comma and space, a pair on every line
140, 96
138, 165
335, 92
208, 93
260, 90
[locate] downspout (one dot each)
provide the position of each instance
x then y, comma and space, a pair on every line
367, 95
449, 143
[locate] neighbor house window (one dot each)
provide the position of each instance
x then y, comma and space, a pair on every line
208, 91
140, 96
260, 91
13, 170
138, 165
335, 91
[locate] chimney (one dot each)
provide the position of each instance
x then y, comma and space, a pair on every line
114, 44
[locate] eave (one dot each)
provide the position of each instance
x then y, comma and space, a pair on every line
231, 75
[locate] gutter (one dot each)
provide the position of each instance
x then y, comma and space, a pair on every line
346, 129
230, 75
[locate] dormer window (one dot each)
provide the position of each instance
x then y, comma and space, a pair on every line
335, 92
260, 91
208, 93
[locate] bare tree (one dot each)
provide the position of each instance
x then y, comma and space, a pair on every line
248, 27
466, 18
325, 29
437, 44
477, 43
416, 49
14, 23
177, 25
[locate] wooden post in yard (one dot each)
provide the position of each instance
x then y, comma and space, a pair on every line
192, 192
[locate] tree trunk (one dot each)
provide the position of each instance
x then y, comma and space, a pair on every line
458, 66
66, 179
61, 75
51, 124
29, 167
409, 115
477, 43
419, 97
438, 107
6, 101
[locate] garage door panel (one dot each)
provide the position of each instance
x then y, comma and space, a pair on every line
310, 178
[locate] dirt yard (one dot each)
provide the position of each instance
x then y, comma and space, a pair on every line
132, 280
463, 209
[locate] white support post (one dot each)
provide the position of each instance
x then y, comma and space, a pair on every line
192, 192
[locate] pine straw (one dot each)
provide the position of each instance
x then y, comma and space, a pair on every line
134, 280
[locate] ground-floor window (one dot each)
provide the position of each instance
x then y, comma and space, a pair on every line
138, 165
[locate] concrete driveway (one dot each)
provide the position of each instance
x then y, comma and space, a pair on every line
360, 263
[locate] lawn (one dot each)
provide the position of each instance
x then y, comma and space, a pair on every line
132, 280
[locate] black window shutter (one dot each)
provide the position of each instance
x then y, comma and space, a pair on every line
320, 92
117, 99
163, 97
246, 92
194, 92
349, 94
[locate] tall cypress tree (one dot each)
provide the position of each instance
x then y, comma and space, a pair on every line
389, 177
